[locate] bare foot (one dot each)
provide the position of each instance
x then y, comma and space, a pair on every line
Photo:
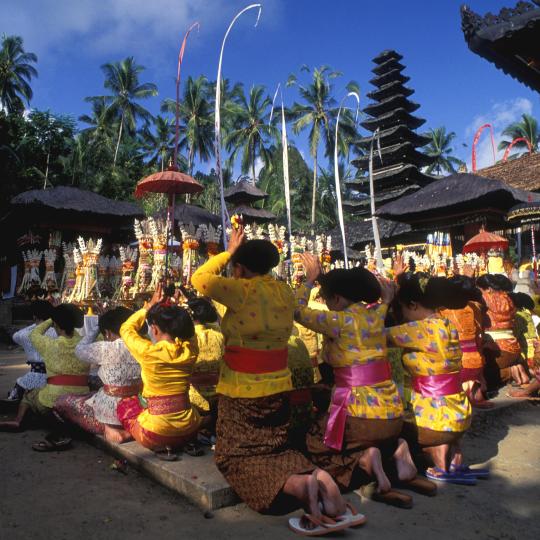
10, 425
305, 488
371, 462
404, 463
333, 503
116, 435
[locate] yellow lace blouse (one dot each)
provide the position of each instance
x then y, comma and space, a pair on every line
165, 371
259, 316
431, 347
354, 336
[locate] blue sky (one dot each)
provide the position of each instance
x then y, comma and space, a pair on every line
455, 87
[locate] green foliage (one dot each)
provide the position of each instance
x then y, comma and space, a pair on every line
526, 128
440, 148
16, 72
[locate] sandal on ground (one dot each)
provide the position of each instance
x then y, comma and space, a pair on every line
483, 404
465, 470
166, 455
352, 516
392, 497
438, 475
419, 485
324, 525
193, 449
52, 445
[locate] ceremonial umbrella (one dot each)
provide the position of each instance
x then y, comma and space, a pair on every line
484, 241
171, 182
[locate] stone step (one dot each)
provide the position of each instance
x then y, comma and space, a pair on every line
195, 478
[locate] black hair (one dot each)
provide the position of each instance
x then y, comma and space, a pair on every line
203, 310
41, 310
172, 320
113, 319
78, 314
484, 282
356, 284
468, 287
258, 256
501, 283
522, 301
67, 317
430, 292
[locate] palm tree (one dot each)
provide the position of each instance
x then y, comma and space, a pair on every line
197, 120
251, 130
159, 145
527, 128
99, 122
16, 72
122, 79
318, 113
440, 148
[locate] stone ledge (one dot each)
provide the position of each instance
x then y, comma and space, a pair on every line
195, 478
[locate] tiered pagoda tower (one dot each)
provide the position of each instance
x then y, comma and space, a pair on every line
241, 196
391, 112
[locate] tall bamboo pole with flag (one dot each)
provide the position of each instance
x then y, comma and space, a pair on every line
336, 174
225, 220
376, 236
285, 157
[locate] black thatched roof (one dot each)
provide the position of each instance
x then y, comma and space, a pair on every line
509, 40
395, 135
390, 103
387, 55
363, 206
250, 214
388, 77
458, 194
400, 174
358, 234
389, 89
403, 152
190, 213
388, 65
77, 200
244, 191
391, 119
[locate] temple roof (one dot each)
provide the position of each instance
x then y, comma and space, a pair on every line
363, 205
387, 177
394, 135
387, 55
389, 65
389, 89
360, 233
509, 40
458, 194
403, 152
250, 214
244, 192
390, 76
521, 173
390, 103
391, 119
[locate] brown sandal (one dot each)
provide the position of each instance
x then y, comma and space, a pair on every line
392, 497
420, 485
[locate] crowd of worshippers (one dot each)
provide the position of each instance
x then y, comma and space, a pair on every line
351, 381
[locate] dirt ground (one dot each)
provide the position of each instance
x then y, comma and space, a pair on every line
76, 494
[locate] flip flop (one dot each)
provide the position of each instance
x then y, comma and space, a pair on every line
450, 477
419, 485
166, 455
193, 449
51, 446
323, 526
391, 497
352, 516
466, 471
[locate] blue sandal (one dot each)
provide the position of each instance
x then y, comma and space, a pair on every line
452, 477
466, 471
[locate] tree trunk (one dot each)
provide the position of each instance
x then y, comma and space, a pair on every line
190, 160
47, 170
314, 194
253, 164
118, 142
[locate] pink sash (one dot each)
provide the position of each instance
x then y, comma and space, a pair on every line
437, 386
468, 346
345, 379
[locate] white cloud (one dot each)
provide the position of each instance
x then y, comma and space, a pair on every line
112, 26
259, 164
499, 116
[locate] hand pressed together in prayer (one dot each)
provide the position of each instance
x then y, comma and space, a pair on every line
157, 297
388, 290
236, 240
312, 267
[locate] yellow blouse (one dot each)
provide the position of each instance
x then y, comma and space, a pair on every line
165, 371
211, 348
431, 347
59, 357
354, 336
259, 316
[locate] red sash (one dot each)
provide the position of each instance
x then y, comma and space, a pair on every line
204, 379
168, 404
255, 361
68, 380
122, 391
300, 396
